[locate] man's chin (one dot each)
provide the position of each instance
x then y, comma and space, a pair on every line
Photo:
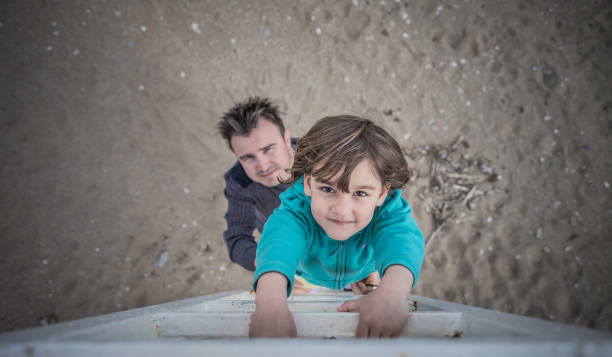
270, 182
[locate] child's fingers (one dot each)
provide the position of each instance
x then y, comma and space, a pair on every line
348, 306
362, 330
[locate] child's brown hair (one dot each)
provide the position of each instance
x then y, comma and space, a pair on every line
339, 143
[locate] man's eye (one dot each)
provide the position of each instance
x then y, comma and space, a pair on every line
327, 189
360, 194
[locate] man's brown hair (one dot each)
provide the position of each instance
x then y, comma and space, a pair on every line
339, 143
242, 118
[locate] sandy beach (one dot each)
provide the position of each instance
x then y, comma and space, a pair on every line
111, 178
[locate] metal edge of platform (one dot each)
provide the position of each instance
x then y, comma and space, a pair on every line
524, 324
53, 339
63, 328
309, 348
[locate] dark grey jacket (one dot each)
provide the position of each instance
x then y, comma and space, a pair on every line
249, 204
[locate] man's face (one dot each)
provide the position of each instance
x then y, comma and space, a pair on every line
265, 153
342, 214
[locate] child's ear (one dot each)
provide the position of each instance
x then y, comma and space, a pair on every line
307, 187
383, 195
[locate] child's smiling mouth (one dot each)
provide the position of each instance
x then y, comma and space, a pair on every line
340, 222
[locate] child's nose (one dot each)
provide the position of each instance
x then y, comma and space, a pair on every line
343, 204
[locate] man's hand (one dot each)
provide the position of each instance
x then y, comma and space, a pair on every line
366, 285
272, 317
384, 311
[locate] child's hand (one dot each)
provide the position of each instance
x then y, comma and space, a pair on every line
272, 317
273, 322
384, 311
380, 315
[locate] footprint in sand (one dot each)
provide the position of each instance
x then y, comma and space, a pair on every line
355, 23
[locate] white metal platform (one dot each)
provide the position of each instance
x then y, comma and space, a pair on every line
218, 325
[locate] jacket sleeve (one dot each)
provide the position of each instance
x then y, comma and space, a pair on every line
240, 219
282, 244
398, 239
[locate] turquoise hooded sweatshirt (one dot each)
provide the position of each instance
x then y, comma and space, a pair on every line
293, 243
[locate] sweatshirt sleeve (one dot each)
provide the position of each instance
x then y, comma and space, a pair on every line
240, 219
397, 238
283, 241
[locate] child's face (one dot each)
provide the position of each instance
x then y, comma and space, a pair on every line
342, 214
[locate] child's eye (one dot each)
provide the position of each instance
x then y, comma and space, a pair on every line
360, 194
326, 189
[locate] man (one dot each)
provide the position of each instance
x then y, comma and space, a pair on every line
256, 134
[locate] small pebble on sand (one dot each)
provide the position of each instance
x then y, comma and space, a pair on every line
163, 258
196, 28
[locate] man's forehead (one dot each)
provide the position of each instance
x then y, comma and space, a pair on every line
244, 147
260, 137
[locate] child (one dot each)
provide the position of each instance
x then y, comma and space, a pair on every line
342, 219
